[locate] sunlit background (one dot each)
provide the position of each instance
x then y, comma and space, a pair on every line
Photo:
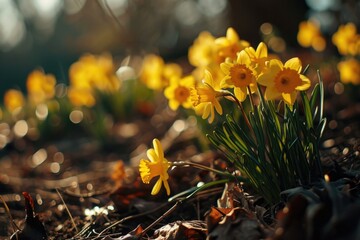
52, 34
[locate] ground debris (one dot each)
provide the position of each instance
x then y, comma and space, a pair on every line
234, 223
133, 235
181, 230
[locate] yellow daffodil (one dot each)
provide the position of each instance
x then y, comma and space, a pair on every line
230, 45
203, 51
91, 73
309, 35
347, 40
155, 74
284, 80
94, 72
13, 99
204, 98
81, 97
239, 75
157, 165
178, 92
349, 71
40, 86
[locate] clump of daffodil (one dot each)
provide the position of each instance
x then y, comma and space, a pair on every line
271, 143
156, 74
40, 86
205, 98
207, 52
157, 165
347, 40
349, 70
271, 146
13, 100
89, 74
309, 35
178, 92
284, 80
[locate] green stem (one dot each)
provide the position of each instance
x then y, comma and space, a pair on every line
229, 94
203, 167
251, 99
207, 185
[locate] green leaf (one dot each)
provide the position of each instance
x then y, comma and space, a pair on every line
307, 110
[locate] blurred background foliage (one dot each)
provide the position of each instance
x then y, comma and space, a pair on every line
52, 34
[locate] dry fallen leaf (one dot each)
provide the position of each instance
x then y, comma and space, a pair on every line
235, 223
182, 230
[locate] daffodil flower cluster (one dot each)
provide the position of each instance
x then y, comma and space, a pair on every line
224, 63
272, 143
346, 40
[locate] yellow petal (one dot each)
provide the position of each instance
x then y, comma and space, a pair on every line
232, 35
271, 93
207, 110
187, 104
173, 104
289, 98
208, 77
218, 107
240, 94
243, 58
225, 67
267, 78
294, 63
212, 114
157, 187
152, 155
158, 148
261, 50
169, 92
167, 187
305, 83
226, 82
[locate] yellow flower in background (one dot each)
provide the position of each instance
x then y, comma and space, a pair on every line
204, 98
155, 74
214, 69
239, 75
13, 99
81, 97
203, 52
230, 45
284, 80
347, 40
309, 35
178, 92
258, 57
91, 73
349, 71
94, 72
157, 165
40, 86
